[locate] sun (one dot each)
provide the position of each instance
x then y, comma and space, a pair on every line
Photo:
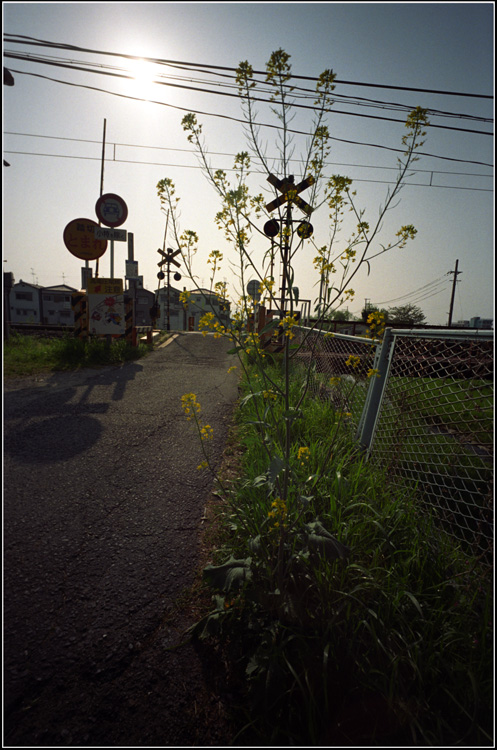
144, 76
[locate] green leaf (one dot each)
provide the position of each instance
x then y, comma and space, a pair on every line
415, 602
292, 414
232, 574
319, 540
246, 399
276, 465
271, 326
261, 480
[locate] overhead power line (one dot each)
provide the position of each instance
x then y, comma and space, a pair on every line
421, 291
233, 169
117, 145
28, 40
296, 91
203, 90
236, 119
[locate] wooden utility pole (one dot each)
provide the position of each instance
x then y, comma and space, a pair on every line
456, 274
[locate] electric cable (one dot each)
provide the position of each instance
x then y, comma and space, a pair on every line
297, 91
235, 119
29, 40
116, 144
335, 111
425, 287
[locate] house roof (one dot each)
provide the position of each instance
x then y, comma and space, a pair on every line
27, 283
59, 288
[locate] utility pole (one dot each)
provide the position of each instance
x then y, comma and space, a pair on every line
456, 274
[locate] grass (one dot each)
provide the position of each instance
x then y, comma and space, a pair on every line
389, 641
465, 406
29, 355
439, 433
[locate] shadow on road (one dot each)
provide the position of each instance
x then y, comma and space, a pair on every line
48, 422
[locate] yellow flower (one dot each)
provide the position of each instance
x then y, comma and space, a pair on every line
232, 368
270, 394
303, 455
279, 512
373, 373
353, 361
206, 432
190, 405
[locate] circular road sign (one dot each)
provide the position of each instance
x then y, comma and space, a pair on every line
253, 289
111, 210
79, 238
271, 228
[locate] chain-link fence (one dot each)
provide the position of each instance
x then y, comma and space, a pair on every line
338, 368
421, 404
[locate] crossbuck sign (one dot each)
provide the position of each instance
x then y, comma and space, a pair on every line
290, 193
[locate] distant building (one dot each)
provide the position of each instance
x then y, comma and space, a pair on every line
202, 301
143, 302
486, 323
56, 303
177, 319
186, 317
25, 303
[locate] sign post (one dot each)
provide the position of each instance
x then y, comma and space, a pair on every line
289, 194
168, 258
112, 211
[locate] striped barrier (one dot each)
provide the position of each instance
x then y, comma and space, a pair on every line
80, 310
128, 320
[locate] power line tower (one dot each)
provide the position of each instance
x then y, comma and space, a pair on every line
456, 274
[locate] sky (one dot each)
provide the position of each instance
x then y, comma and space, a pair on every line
53, 136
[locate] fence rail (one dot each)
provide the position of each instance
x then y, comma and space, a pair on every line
420, 403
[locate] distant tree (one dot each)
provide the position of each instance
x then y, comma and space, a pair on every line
407, 315
341, 315
368, 309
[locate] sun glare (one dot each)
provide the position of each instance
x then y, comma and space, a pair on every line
144, 74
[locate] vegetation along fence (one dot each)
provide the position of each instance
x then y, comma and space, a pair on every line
420, 403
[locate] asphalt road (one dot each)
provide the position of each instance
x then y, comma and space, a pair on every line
102, 508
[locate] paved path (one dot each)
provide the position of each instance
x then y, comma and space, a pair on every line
102, 507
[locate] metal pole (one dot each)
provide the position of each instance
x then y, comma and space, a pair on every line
286, 248
168, 326
456, 273
101, 187
103, 161
367, 424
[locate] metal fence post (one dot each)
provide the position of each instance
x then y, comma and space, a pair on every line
377, 385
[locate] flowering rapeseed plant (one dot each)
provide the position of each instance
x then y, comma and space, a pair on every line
279, 512
353, 361
206, 432
190, 406
303, 455
192, 410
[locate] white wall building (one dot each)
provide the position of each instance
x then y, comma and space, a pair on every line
56, 302
25, 303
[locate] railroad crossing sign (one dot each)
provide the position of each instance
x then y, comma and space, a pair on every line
168, 257
290, 193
